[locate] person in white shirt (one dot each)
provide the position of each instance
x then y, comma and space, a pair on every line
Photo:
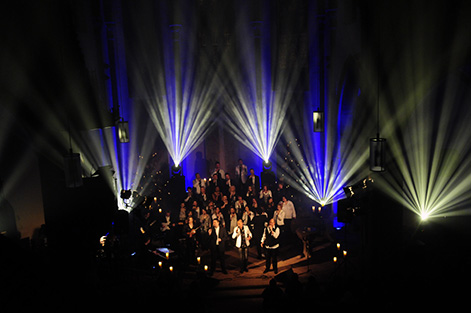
288, 207
279, 216
198, 183
242, 235
271, 244
290, 215
233, 220
247, 216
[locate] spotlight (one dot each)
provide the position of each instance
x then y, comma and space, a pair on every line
123, 131
267, 165
176, 169
318, 118
424, 216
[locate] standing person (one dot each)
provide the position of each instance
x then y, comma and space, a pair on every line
259, 222
279, 193
190, 197
190, 234
290, 215
198, 183
271, 207
217, 244
218, 171
214, 183
240, 205
225, 210
217, 196
205, 222
228, 183
279, 217
265, 194
195, 209
182, 215
248, 216
217, 214
250, 194
271, 244
242, 235
232, 197
232, 220
241, 175
204, 198
254, 181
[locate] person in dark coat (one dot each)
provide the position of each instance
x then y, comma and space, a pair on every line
217, 245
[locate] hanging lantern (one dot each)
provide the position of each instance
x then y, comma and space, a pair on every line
123, 131
73, 170
318, 119
377, 154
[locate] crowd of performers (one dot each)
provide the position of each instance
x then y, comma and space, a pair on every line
223, 213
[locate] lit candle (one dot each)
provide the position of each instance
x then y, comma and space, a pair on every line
167, 255
344, 252
160, 264
338, 246
199, 260
335, 259
320, 209
171, 268
155, 199
206, 268
313, 208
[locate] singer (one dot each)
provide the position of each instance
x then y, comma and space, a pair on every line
242, 235
271, 244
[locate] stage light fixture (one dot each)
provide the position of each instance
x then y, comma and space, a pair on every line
267, 165
318, 119
123, 131
424, 216
176, 169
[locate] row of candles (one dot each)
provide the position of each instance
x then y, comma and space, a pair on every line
170, 268
344, 252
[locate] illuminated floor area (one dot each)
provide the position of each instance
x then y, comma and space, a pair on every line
428, 268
